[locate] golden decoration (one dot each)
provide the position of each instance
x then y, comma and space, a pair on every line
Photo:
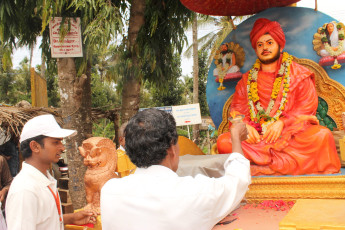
328, 89
296, 187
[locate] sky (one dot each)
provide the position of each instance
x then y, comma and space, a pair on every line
334, 8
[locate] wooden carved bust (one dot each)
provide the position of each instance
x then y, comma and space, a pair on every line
100, 157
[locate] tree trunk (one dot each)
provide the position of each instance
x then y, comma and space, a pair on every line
75, 96
31, 54
43, 65
195, 73
132, 82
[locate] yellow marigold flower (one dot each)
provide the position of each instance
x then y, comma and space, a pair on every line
255, 98
257, 64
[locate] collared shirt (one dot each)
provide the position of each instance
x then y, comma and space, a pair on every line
30, 205
156, 198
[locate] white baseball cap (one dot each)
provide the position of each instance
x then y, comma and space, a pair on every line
44, 125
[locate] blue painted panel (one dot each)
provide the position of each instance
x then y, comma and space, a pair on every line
299, 24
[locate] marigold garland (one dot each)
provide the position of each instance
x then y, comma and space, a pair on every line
257, 112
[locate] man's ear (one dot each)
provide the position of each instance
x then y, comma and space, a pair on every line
174, 149
170, 151
34, 146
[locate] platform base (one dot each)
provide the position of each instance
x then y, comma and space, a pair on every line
296, 187
315, 214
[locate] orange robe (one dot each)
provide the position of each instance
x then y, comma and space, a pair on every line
303, 148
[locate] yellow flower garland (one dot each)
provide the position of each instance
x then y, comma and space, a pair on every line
253, 96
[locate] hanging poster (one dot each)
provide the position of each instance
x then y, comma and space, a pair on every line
71, 45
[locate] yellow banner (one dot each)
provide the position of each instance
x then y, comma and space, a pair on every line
38, 90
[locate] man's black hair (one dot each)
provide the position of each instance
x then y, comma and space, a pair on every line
148, 136
25, 145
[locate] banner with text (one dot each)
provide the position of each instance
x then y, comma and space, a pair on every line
187, 114
71, 46
183, 114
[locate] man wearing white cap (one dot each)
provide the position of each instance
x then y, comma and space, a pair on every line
33, 201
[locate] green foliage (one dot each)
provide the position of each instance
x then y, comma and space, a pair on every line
103, 128
183, 131
15, 85
5, 57
146, 100
161, 35
103, 97
171, 97
172, 91
102, 20
157, 42
203, 71
103, 94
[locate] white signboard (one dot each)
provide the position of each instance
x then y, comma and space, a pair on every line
187, 114
71, 46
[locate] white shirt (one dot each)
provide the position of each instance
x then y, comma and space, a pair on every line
30, 205
157, 199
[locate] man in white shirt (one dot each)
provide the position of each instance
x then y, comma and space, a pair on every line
154, 197
33, 202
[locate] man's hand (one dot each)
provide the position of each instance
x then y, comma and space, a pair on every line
253, 135
238, 133
80, 218
273, 132
85, 217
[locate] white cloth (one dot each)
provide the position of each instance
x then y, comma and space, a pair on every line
156, 198
2, 220
334, 36
30, 205
122, 148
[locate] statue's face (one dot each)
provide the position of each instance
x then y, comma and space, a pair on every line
330, 28
97, 152
267, 49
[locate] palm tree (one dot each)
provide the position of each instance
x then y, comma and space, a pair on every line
195, 73
222, 27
